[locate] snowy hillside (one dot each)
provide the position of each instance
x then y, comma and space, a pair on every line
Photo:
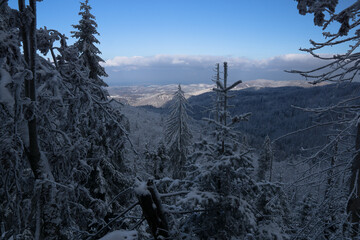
154, 95
275, 107
158, 95
271, 107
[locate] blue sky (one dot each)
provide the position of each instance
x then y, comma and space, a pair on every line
256, 30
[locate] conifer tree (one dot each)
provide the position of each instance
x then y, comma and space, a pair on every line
178, 135
222, 114
156, 161
89, 53
70, 194
265, 160
272, 214
222, 172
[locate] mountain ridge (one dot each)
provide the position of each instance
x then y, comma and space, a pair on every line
159, 95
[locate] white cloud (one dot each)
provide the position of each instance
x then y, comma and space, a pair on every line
140, 61
136, 62
198, 68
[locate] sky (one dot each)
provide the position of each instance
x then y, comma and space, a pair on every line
147, 42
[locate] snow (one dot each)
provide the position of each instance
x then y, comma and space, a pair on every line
199, 197
24, 133
141, 188
5, 95
121, 235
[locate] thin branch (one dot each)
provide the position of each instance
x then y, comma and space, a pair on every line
190, 211
173, 194
306, 129
112, 221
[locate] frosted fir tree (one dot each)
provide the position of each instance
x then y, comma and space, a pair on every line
227, 178
221, 169
265, 161
16, 180
306, 216
71, 193
323, 212
177, 133
97, 133
273, 212
222, 119
156, 161
271, 201
89, 53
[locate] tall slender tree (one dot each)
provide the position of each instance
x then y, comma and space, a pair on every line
45, 227
222, 169
178, 135
89, 53
265, 161
222, 114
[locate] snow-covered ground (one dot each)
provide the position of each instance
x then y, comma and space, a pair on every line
121, 235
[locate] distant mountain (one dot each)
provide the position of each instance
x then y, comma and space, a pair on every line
264, 83
154, 95
159, 95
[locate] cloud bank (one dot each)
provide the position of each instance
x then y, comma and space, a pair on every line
186, 69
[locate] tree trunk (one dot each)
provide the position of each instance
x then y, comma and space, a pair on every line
271, 165
224, 109
154, 212
33, 151
217, 93
47, 228
330, 227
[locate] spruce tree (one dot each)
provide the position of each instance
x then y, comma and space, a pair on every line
89, 53
222, 173
178, 135
265, 160
81, 138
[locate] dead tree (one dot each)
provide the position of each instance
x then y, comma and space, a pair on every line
154, 213
217, 98
222, 91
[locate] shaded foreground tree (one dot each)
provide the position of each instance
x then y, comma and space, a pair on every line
265, 161
46, 226
342, 67
65, 186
